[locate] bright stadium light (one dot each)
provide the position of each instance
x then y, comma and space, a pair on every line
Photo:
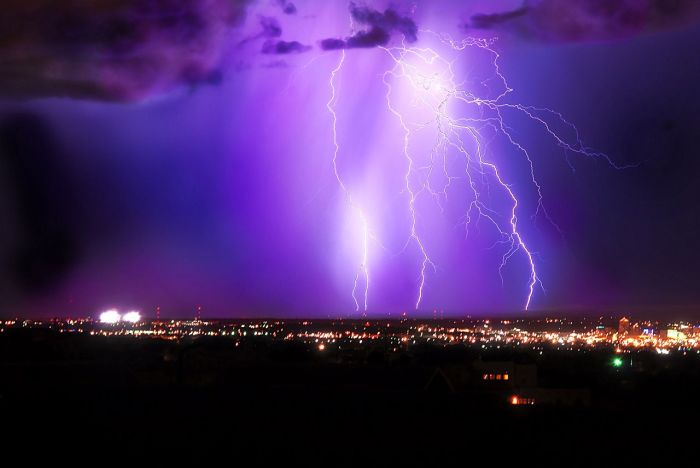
132, 317
110, 316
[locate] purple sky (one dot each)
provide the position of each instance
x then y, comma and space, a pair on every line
177, 154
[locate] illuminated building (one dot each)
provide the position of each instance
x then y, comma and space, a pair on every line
506, 373
551, 396
519, 400
673, 334
623, 326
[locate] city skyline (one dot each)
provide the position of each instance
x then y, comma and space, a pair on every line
620, 337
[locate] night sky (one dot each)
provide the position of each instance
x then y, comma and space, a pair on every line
180, 153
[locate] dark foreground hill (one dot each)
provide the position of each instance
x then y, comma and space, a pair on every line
140, 402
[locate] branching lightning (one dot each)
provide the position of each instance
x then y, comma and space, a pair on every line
412, 194
461, 118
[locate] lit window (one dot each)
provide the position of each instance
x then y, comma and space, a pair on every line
505, 376
490, 376
486, 376
498, 377
514, 400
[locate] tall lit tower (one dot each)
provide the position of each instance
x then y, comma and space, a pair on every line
198, 316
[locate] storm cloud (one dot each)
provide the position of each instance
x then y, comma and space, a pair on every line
270, 27
587, 20
380, 27
114, 50
284, 47
287, 7
494, 20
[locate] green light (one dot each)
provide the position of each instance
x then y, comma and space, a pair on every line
617, 362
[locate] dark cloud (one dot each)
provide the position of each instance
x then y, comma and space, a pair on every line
271, 27
287, 7
380, 27
588, 20
116, 50
372, 38
390, 21
284, 47
332, 44
489, 21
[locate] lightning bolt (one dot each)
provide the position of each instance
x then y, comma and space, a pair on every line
362, 275
461, 118
362, 270
412, 194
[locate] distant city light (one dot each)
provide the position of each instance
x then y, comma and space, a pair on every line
110, 316
132, 317
524, 333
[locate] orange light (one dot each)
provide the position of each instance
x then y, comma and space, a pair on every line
505, 376
514, 400
321, 347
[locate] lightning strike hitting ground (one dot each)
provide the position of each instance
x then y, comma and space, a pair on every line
362, 269
414, 237
464, 120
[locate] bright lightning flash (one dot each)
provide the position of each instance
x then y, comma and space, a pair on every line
462, 114
362, 275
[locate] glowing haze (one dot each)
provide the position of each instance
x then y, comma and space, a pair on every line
328, 158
